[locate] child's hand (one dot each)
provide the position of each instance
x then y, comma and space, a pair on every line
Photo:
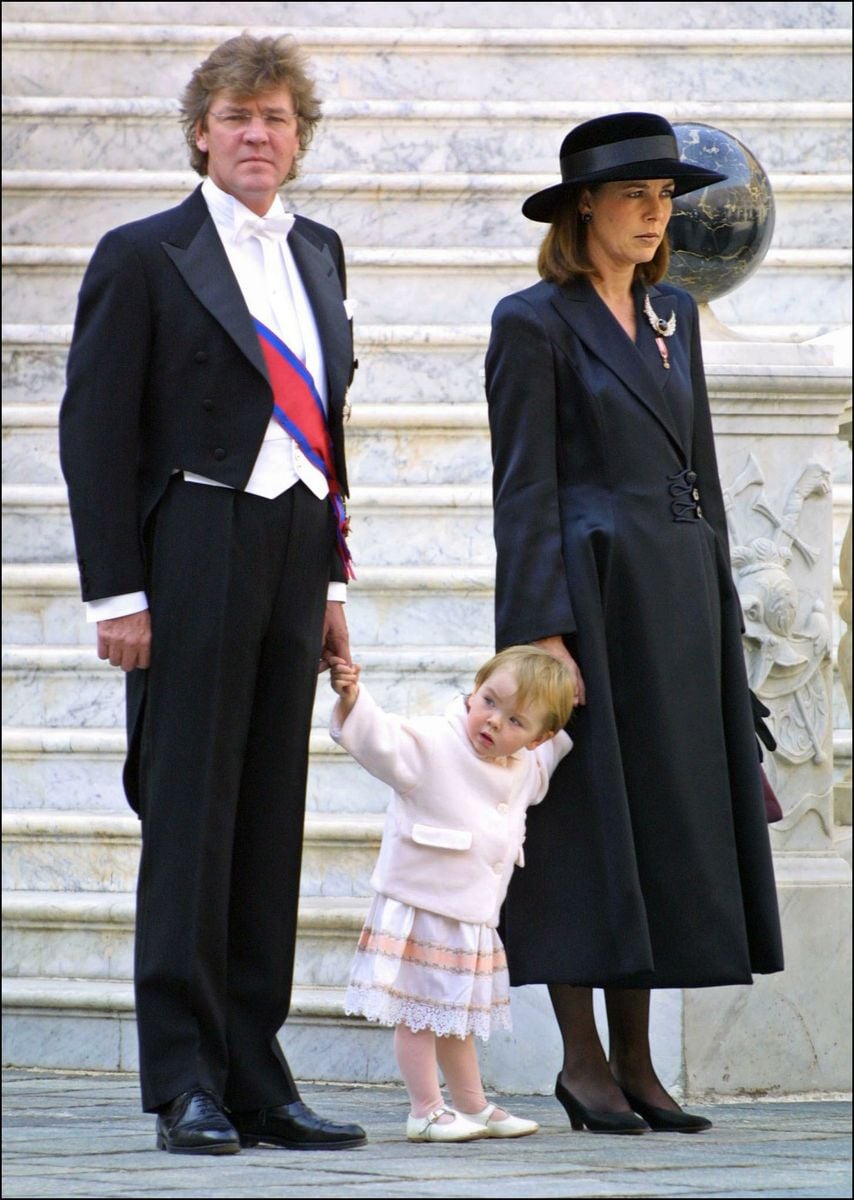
344, 678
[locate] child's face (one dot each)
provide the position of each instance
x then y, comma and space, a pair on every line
496, 725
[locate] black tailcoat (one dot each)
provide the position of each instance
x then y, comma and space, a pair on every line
166, 374
649, 863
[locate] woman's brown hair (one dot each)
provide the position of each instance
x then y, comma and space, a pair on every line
563, 253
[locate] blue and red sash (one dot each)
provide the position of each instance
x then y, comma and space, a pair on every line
299, 410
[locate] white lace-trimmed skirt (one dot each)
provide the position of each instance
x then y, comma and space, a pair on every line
426, 971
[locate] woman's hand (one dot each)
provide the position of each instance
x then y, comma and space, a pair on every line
556, 647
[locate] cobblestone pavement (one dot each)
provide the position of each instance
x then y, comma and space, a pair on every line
67, 1135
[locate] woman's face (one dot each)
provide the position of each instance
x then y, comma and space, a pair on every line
628, 221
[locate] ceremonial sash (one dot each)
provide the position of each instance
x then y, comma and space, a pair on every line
299, 410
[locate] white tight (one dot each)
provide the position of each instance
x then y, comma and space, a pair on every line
417, 1056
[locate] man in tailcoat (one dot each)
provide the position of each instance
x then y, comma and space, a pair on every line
201, 437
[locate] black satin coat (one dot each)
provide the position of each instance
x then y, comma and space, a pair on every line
648, 864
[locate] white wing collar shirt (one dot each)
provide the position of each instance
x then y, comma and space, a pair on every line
263, 263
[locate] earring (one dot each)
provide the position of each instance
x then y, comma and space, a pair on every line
586, 218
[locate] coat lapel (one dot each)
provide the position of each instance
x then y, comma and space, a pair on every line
589, 318
207, 272
198, 254
323, 289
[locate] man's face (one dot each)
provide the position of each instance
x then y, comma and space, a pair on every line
251, 144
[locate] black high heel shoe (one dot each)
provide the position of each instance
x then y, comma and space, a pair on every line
664, 1120
597, 1122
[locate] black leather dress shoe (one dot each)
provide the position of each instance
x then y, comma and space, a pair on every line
295, 1127
194, 1123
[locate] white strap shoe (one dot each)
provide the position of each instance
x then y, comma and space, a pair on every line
428, 1129
506, 1127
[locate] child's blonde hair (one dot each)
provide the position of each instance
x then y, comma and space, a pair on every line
540, 679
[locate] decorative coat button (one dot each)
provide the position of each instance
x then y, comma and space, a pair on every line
502, 807
691, 476
201, 356
207, 405
498, 868
219, 454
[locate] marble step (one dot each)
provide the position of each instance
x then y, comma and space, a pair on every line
72, 133
398, 364
69, 769
405, 525
447, 14
386, 443
89, 935
386, 605
402, 208
80, 851
435, 284
443, 364
107, 58
65, 686
89, 1024
51, 769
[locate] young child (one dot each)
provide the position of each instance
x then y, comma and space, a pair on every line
430, 961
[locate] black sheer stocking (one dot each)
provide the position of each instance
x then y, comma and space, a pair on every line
591, 1077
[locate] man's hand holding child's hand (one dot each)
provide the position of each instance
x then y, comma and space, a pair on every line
345, 681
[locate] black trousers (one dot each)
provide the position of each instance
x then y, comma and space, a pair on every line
237, 591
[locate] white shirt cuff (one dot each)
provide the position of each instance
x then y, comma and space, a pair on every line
337, 591
109, 607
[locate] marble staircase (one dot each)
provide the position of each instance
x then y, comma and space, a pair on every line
439, 119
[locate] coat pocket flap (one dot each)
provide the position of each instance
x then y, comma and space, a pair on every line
446, 839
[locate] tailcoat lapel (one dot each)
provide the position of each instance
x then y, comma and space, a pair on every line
204, 265
323, 289
579, 306
198, 254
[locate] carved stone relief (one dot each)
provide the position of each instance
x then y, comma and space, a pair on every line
787, 636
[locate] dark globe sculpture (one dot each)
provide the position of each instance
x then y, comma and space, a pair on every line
719, 235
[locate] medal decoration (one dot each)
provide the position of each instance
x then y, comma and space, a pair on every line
663, 329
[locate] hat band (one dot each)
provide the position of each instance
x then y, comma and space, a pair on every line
617, 154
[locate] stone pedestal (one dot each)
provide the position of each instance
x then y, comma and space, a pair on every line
776, 414
842, 790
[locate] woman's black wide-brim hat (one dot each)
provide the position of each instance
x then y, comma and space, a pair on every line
619, 146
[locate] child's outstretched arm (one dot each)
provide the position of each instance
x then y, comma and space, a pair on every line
344, 678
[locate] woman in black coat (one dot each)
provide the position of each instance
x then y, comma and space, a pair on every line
649, 864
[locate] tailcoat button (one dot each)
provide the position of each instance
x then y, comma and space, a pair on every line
201, 356
207, 405
691, 476
219, 454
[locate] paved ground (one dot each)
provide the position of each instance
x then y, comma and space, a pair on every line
67, 1135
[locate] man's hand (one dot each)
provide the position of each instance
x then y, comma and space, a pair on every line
336, 636
126, 641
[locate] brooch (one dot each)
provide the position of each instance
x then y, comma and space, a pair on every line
663, 329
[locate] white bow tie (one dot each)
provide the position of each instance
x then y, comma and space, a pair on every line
276, 227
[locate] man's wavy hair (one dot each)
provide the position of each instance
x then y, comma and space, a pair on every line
247, 66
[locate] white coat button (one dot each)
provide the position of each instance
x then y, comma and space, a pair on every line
498, 868
503, 806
